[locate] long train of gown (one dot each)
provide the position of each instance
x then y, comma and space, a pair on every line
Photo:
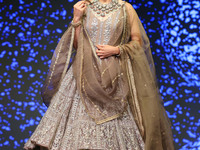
67, 126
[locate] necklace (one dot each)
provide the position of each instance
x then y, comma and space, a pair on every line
103, 9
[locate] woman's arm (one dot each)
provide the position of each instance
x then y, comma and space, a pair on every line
133, 18
79, 9
104, 51
77, 31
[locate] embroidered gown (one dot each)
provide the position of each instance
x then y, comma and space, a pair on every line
66, 125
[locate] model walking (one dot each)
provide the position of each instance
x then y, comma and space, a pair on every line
101, 89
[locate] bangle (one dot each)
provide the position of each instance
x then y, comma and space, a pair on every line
120, 51
76, 24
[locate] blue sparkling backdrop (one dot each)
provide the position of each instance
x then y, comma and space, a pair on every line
30, 31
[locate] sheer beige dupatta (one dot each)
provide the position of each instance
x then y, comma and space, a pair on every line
144, 97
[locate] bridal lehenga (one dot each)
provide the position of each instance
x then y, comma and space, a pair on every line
103, 104
73, 129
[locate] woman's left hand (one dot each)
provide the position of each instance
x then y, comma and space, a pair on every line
104, 51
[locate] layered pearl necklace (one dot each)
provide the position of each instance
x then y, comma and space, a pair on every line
103, 9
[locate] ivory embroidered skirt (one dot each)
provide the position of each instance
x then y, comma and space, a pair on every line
67, 126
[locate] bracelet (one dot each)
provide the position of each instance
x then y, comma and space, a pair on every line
76, 24
120, 51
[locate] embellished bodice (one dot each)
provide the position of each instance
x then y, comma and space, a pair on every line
104, 22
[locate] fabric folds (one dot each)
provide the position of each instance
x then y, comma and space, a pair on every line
102, 86
99, 81
148, 111
60, 62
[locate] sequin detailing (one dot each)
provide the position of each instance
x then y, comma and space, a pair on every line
67, 126
107, 31
94, 29
101, 30
104, 9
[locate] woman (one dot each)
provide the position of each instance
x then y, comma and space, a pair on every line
107, 96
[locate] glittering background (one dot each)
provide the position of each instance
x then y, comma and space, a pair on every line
30, 31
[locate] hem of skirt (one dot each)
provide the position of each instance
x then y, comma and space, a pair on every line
35, 144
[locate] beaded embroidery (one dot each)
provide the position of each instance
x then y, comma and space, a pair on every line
104, 9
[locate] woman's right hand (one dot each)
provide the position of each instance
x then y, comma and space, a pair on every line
79, 9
